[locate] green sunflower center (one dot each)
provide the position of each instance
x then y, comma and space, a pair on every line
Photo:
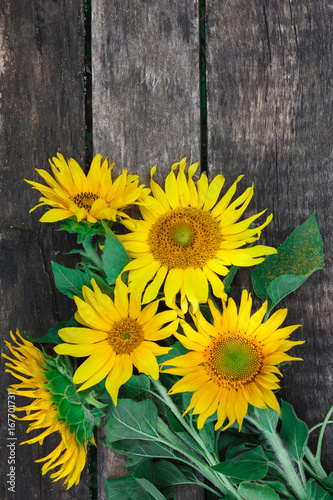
85, 200
125, 336
182, 234
233, 360
185, 237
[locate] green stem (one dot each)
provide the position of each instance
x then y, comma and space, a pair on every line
316, 466
219, 480
171, 440
168, 401
91, 254
321, 435
282, 455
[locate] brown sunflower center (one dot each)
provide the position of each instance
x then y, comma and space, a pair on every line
184, 237
125, 336
233, 360
85, 200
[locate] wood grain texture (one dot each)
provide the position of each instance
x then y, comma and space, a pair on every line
146, 95
42, 112
269, 99
146, 105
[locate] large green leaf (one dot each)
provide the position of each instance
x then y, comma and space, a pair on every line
114, 256
297, 258
131, 420
69, 281
316, 492
294, 432
168, 474
150, 488
126, 488
268, 418
249, 466
135, 386
138, 449
257, 491
52, 336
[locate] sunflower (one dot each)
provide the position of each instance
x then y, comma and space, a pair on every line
116, 335
232, 362
188, 239
31, 368
92, 197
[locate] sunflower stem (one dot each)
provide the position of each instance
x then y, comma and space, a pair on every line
219, 480
163, 392
283, 456
91, 254
321, 435
316, 466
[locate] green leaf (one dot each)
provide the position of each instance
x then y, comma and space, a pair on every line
131, 420
257, 491
316, 492
136, 385
125, 488
168, 474
177, 350
268, 418
114, 256
104, 287
328, 482
136, 449
207, 434
298, 257
70, 281
276, 486
52, 337
249, 466
294, 432
150, 488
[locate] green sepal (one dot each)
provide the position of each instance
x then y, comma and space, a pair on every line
83, 229
297, 258
81, 411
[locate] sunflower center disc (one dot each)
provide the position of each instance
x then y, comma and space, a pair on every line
85, 200
184, 237
125, 336
233, 360
182, 234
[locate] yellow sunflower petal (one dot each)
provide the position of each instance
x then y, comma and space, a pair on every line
98, 362
121, 372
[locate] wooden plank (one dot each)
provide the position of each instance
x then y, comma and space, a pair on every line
269, 90
42, 48
146, 102
146, 85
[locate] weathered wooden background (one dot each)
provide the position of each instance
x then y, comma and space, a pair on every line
269, 92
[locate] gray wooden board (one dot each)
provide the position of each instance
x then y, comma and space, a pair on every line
269, 99
146, 104
42, 112
146, 95
269, 104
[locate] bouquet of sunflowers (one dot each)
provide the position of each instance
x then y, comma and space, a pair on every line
183, 379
